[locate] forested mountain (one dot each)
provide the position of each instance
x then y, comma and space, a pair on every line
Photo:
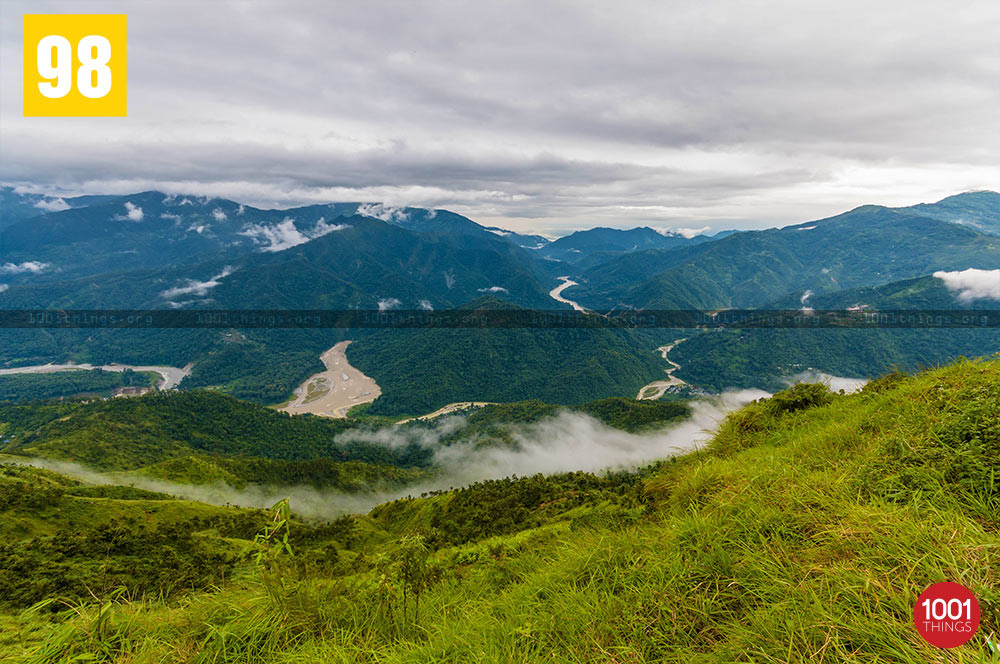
928, 292
596, 244
152, 250
15, 206
978, 209
564, 366
867, 246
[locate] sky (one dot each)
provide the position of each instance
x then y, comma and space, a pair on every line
536, 116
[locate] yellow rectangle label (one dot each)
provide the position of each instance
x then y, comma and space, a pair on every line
74, 65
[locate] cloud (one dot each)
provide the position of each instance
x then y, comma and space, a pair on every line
747, 127
493, 289
3, 287
132, 213
52, 205
285, 235
692, 232
170, 217
34, 267
218, 214
425, 305
195, 287
972, 284
383, 212
564, 442
387, 303
835, 383
804, 301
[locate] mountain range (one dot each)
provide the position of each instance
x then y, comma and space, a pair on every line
155, 250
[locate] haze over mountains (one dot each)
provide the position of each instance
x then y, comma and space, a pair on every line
154, 250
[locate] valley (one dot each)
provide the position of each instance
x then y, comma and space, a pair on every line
556, 294
658, 388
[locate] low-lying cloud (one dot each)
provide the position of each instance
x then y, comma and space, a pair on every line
33, 267
835, 383
972, 284
387, 303
132, 213
52, 204
284, 235
565, 442
195, 287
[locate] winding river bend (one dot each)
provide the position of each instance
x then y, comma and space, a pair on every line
657, 388
556, 294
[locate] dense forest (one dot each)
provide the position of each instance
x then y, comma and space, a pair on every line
94, 382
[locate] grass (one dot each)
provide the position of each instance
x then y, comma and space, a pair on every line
804, 532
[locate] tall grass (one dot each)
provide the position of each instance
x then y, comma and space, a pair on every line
804, 533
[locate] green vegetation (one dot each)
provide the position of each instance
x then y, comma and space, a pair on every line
125, 434
422, 370
95, 382
803, 532
864, 247
493, 422
722, 359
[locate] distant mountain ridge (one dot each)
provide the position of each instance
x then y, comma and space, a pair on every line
867, 246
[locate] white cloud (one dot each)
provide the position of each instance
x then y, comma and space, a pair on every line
218, 214
972, 284
52, 205
197, 229
493, 289
426, 305
3, 287
240, 210
499, 231
806, 309
171, 217
195, 287
387, 303
383, 212
691, 232
132, 213
285, 235
806, 228
33, 267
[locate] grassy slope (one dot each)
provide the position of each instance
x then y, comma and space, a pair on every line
804, 533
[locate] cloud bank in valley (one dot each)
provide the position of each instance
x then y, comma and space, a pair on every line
565, 442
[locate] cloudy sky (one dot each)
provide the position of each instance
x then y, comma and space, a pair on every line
534, 115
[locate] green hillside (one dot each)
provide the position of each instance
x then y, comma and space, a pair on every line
724, 359
128, 434
96, 382
804, 532
422, 370
866, 246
